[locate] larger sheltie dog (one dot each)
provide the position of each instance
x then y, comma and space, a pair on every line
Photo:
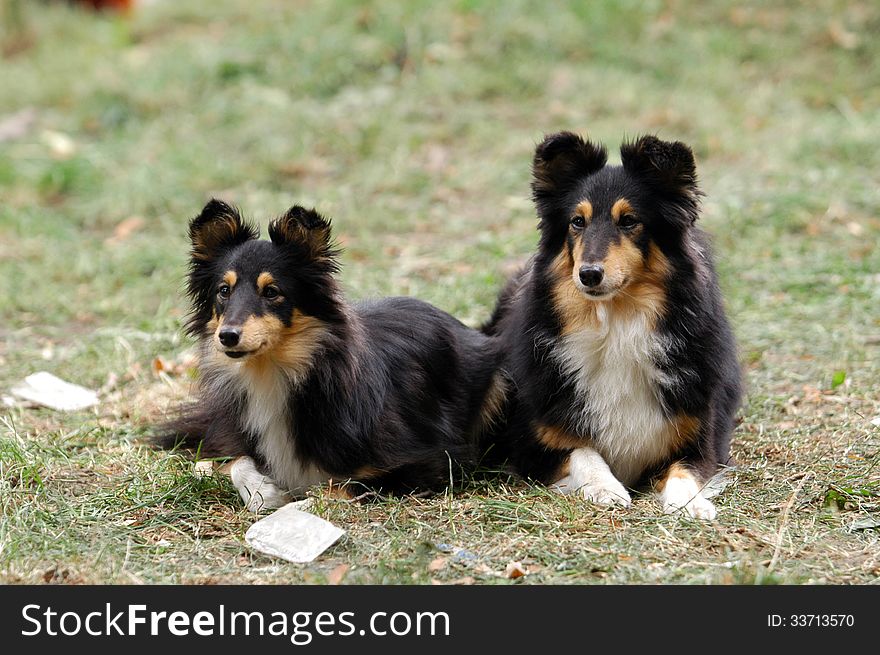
393, 393
624, 365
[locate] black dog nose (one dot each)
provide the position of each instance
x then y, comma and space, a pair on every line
591, 275
229, 336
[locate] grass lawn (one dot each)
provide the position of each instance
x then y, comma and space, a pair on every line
413, 125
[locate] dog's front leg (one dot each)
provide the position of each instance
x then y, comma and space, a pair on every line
589, 475
679, 488
257, 490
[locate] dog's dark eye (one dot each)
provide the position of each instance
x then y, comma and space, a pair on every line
223, 291
578, 222
627, 222
270, 293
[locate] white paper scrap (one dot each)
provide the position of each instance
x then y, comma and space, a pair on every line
291, 534
45, 389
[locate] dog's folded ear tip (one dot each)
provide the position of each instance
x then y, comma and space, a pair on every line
215, 209
303, 226
650, 155
563, 158
218, 226
553, 143
296, 211
307, 218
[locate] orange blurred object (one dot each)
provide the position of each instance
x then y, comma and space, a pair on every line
119, 5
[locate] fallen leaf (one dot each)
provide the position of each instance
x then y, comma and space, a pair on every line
203, 468
336, 575
515, 570
843, 37
17, 125
124, 229
437, 564
466, 580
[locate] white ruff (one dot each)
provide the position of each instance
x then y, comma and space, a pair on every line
618, 383
266, 415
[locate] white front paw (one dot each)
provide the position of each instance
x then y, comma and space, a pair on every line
606, 492
589, 475
257, 491
684, 494
698, 508
602, 491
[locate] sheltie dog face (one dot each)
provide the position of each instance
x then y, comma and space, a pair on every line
608, 228
253, 298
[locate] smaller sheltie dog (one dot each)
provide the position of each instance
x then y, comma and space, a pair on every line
623, 362
394, 394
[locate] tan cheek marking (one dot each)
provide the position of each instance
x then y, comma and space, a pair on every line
646, 292
575, 311
577, 255
558, 439
561, 265
623, 264
264, 279
260, 331
296, 346
620, 208
623, 259
230, 278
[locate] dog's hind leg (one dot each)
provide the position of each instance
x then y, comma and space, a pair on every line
257, 490
589, 475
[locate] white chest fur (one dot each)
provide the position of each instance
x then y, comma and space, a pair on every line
617, 384
266, 416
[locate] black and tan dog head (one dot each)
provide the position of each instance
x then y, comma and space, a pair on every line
253, 297
607, 228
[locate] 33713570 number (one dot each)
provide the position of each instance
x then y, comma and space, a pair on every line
811, 620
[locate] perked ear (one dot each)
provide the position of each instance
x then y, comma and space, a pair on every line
218, 228
667, 166
305, 228
560, 161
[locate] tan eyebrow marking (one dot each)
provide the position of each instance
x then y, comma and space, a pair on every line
585, 209
264, 280
621, 207
230, 278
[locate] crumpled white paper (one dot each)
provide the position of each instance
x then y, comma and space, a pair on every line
45, 389
291, 534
